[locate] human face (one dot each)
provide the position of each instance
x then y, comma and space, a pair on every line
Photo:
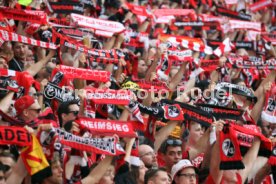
71, 115
196, 132
142, 171
266, 128
172, 156
142, 68
57, 171
32, 112
2, 178
108, 176
3, 63
186, 176
147, 155
19, 50
8, 161
161, 178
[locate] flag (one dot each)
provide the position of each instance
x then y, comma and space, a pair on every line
35, 161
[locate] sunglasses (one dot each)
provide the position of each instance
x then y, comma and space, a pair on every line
74, 112
174, 142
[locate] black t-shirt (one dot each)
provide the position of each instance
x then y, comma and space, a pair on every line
16, 65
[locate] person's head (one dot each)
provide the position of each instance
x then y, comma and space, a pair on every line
27, 108
183, 172
30, 56
19, 50
266, 128
142, 68
147, 155
195, 132
112, 6
171, 150
2, 174
8, 160
44, 73
68, 111
157, 176
3, 63
67, 59
57, 172
108, 177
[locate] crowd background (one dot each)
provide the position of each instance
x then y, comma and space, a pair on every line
137, 92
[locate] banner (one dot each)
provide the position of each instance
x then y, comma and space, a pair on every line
106, 146
259, 5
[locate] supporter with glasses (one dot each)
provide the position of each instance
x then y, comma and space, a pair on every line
184, 173
68, 111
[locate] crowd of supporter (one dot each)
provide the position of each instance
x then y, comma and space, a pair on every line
137, 91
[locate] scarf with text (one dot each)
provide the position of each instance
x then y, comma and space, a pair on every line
260, 5
67, 7
222, 112
175, 12
245, 25
270, 37
233, 14
54, 92
38, 17
81, 73
107, 146
110, 127
207, 65
15, 135
248, 45
113, 55
191, 113
196, 25
236, 89
10, 36
225, 46
180, 55
101, 27
108, 96
252, 63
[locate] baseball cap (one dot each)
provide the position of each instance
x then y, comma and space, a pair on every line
24, 103
182, 164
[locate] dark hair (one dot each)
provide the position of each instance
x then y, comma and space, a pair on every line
64, 108
152, 173
8, 154
169, 142
112, 4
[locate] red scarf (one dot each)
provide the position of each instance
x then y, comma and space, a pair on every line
81, 73
101, 27
260, 5
14, 135
230, 154
11, 36
176, 12
38, 17
110, 127
108, 96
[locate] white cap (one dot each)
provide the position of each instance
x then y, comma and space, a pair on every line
179, 166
